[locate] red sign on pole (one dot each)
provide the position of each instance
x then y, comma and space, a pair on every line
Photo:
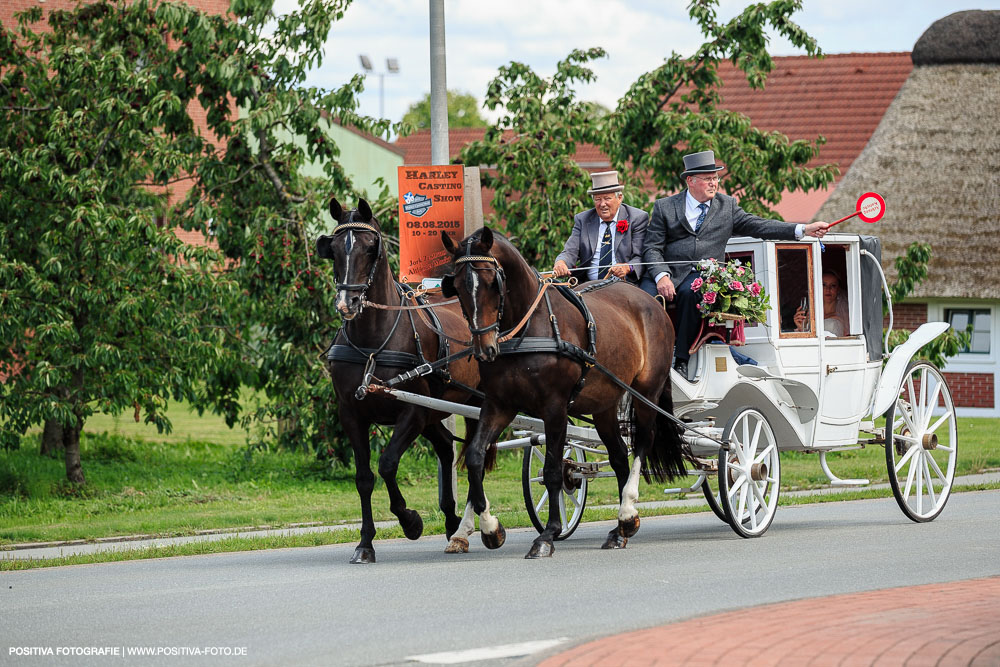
430, 204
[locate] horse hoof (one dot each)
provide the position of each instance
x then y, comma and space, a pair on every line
615, 540
412, 525
630, 527
457, 545
451, 525
363, 555
540, 550
496, 540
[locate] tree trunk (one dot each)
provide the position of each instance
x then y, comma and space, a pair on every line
71, 440
52, 438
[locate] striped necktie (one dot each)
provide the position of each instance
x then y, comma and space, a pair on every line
605, 258
701, 218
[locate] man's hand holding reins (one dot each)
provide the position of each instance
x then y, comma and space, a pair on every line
665, 287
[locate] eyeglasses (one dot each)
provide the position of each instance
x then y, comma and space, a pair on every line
708, 179
605, 199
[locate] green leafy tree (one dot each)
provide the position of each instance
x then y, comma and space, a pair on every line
674, 109
463, 111
539, 186
101, 308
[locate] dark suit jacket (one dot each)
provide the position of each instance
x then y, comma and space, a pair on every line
669, 239
585, 239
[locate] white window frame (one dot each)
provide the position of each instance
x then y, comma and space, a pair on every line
970, 362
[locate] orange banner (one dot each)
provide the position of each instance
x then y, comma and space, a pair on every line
430, 204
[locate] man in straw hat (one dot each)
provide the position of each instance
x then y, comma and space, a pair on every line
606, 240
697, 224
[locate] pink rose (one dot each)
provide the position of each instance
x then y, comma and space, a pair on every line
736, 285
755, 289
709, 297
740, 271
696, 283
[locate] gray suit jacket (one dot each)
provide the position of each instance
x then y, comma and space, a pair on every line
669, 239
584, 241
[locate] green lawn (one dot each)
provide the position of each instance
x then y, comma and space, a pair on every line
139, 482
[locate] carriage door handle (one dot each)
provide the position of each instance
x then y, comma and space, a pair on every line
831, 369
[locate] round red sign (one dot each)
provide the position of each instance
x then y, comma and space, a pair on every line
871, 207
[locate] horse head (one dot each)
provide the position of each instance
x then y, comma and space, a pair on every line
479, 284
355, 248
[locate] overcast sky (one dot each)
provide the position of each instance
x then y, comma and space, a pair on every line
483, 35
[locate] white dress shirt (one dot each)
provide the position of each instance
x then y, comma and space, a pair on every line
595, 261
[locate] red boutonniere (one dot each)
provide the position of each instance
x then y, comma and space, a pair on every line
622, 226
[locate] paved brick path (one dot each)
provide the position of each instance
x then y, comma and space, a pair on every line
938, 624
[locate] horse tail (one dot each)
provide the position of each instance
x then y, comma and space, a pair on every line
665, 459
489, 458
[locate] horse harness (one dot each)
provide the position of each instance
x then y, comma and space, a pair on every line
372, 357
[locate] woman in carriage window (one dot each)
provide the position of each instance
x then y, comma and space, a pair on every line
836, 320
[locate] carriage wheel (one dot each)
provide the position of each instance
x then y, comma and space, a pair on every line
921, 447
714, 499
749, 473
573, 498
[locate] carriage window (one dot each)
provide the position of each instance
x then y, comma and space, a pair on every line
979, 319
795, 291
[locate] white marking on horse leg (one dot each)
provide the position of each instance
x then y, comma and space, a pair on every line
487, 522
468, 525
630, 494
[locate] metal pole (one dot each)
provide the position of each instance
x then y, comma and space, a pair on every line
439, 86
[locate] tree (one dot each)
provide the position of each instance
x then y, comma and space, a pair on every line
673, 110
101, 307
539, 186
463, 111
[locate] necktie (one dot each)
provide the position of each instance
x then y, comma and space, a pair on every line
701, 218
605, 259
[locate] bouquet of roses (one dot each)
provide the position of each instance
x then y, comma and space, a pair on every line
730, 288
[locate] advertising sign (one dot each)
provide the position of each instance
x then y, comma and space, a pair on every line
430, 204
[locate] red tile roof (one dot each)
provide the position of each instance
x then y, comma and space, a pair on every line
841, 97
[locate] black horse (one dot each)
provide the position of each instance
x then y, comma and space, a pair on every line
399, 340
539, 372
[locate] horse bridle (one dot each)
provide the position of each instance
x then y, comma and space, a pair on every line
364, 226
499, 283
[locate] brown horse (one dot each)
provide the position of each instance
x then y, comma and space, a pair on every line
363, 275
634, 342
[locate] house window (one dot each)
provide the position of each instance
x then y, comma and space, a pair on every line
979, 318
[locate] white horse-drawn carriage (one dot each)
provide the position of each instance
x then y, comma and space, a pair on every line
798, 388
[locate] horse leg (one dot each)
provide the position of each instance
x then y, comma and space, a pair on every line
628, 514
555, 439
364, 482
459, 542
408, 425
492, 421
609, 429
441, 439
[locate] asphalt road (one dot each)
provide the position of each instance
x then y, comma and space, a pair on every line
309, 606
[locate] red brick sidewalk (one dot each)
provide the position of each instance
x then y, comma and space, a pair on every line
938, 624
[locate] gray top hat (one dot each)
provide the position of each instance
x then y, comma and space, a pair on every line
605, 181
700, 163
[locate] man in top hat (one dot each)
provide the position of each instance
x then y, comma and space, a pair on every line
697, 224
606, 240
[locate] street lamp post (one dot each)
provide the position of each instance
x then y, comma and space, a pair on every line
391, 67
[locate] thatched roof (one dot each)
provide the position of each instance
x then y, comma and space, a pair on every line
963, 37
935, 158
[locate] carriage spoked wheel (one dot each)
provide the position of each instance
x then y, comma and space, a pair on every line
921, 442
572, 499
713, 498
749, 473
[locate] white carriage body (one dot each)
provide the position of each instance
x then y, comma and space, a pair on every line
816, 389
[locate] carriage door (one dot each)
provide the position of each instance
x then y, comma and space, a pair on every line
847, 377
